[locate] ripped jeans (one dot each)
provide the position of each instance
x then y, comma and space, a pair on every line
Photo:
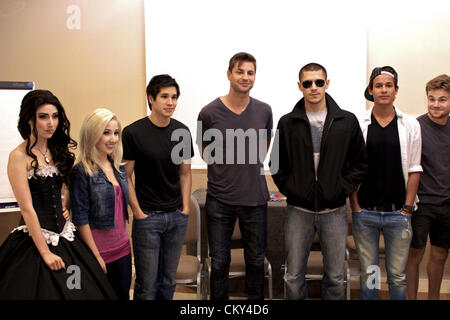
396, 227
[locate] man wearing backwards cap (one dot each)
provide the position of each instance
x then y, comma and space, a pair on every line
387, 197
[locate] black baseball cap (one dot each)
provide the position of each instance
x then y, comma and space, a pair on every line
375, 73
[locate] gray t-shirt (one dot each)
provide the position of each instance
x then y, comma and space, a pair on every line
317, 122
434, 187
233, 151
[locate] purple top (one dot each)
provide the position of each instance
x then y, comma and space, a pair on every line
114, 244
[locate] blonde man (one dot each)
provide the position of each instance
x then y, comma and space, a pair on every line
433, 214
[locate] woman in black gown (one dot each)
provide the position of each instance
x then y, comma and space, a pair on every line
44, 258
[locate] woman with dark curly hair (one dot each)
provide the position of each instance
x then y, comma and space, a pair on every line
44, 258
58, 142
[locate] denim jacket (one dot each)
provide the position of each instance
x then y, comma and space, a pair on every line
93, 197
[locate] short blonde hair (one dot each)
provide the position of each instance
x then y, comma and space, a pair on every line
90, 133
440, 82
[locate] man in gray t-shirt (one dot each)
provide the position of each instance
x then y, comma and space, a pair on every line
235, 170
233, 136
433, 214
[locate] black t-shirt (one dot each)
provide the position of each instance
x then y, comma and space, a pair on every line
384, 183
157, 161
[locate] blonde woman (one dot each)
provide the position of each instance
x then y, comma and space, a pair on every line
99, 193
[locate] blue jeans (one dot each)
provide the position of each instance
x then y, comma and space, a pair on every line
397, 232
300, 227
220, 220
157, 243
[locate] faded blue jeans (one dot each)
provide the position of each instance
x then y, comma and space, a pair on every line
300, 227
157, 243
396, 227
220, 220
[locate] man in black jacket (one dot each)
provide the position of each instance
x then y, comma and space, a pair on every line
322, 159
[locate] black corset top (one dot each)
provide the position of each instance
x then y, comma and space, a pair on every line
45, 186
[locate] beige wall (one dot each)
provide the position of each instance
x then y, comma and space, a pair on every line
100, 65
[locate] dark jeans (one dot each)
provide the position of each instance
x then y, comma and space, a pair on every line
118, 273
157, 243
220, 220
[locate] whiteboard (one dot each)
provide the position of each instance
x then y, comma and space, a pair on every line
10, 101
193, 41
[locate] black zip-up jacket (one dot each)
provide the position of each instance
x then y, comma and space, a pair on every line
343, 160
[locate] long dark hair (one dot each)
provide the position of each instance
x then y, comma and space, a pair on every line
60, 143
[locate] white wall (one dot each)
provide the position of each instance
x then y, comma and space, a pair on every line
413, 37
10, 101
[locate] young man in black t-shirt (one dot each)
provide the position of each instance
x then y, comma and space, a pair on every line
387, 197
160, 198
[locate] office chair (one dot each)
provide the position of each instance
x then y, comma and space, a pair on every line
189, 272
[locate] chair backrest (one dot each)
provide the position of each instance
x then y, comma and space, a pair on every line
193, 227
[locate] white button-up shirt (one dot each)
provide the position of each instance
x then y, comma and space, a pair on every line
410, 142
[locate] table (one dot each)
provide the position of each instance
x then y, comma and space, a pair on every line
275, 238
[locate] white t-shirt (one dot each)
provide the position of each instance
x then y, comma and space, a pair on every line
317, 122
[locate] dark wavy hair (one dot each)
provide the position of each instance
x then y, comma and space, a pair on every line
60, 143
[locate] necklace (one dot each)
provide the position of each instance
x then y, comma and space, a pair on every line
47, 159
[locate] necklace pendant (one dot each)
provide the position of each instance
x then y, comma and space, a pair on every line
47, 160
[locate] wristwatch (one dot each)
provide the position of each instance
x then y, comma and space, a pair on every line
408, 208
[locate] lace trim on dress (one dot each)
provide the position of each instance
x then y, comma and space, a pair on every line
43, 171
53, 237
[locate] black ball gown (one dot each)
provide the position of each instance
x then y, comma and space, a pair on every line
23, 272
